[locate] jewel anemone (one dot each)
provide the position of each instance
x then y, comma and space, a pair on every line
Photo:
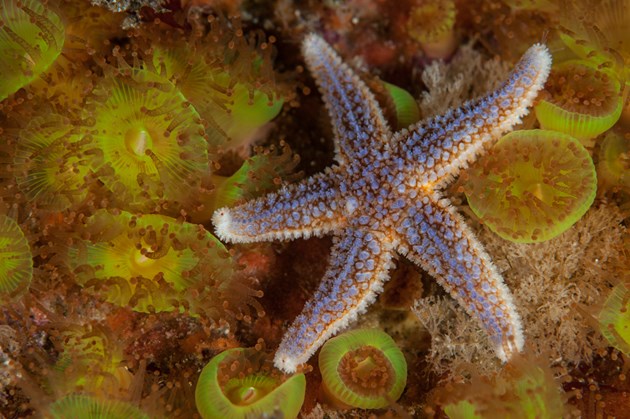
524, 388
533, 5
583, 101
89, 407
362, 368
597, 31
532, 185
241, 383
431, 24
613, 167
90, 360
50, 164
614, 318
16, 269
148, 142
31, 39
257, 175
399, 106
147, 262
228, 77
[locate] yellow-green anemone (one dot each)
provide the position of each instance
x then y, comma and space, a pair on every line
148, 261
16, 268
232, 109
406, 107
239, 383
84, 406
50, 163
613, 168
363, 368
257, 175
532, 185
597, 30
31, 39
614, 318
91, 361
524, 388
431, 23
534, 5
583, 101
148, 140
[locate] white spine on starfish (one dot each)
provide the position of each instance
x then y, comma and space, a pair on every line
359, 266
357, 118
305, 209
439, 157
440, 242
520, 91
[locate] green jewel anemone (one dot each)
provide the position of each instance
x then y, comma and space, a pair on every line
362, 368
613, 168
524, 388
614, 319
50, 165
240, 383
148, 140
431, 24
583, 100
407, 111
532, 185
16, 269
31, 39
83, 406
147, 262
224, 84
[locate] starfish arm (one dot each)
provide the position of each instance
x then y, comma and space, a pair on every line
357, 120
358, 267
435, 237
447, 143
304, 209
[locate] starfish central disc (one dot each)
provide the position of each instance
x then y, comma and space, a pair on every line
383, 196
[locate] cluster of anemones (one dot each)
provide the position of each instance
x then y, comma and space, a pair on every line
111, 145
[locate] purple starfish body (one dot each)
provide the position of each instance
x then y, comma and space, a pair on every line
383, 197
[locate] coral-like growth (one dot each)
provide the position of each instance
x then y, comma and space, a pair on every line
31, 39
583, 101
89, 407
240, 383
532, 185
147, 140
548, 280
524, 389
431, 23
16, 266
50, 164
362, 368
614, 319
613, 167
147, 262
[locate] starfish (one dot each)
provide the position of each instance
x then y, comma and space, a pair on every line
382, 197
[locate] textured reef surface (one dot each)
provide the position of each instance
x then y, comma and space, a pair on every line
149, 267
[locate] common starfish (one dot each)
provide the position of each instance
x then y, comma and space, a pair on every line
383, 197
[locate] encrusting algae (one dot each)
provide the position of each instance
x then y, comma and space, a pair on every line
125, 124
